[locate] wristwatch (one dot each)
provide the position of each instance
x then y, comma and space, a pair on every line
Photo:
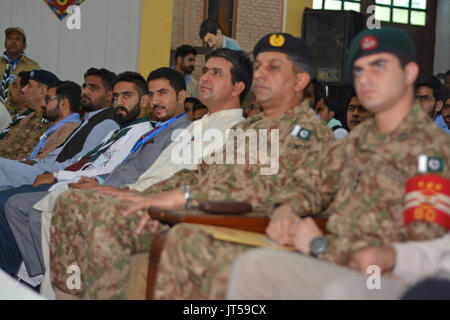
187, 192
318, 245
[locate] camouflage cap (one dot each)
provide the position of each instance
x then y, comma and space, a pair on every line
19, 30
371, 41
286, 43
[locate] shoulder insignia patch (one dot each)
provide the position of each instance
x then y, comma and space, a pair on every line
301, 133
430, 164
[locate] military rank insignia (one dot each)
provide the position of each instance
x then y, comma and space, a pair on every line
428, 199
277, 40
430, 164
301, 133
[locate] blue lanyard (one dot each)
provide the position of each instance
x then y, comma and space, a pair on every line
14, 63
155, 131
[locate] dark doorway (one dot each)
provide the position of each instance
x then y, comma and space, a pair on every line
222, 11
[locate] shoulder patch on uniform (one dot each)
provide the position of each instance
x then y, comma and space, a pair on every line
301, 133
430, 164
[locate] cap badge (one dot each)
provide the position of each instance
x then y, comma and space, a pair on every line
277, 40
369, 43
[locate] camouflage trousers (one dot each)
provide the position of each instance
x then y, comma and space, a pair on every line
89, 231
193, 265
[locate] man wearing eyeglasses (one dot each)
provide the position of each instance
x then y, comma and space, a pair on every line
61, 106
431, 95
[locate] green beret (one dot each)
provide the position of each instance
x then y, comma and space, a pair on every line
286, 43
371, 41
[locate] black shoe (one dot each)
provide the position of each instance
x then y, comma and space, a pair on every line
36, 289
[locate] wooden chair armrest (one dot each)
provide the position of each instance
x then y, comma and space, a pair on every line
153, 261
255, 222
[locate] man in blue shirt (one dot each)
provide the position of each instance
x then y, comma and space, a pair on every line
431, 95
185, 64
211, 33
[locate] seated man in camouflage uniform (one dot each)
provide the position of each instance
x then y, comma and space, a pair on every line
17, 97
361, 180
293, 129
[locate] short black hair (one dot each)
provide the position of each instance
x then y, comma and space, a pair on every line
319, 90
106, 75
404, 58
198, 106
185, 50
300, 66
330, 105
68, 90
24, 77
350, 93
175, 78
241, 70
133, 77
192, 100
208, 26
430, 81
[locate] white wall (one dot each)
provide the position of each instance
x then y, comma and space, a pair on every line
442, 49
109, 35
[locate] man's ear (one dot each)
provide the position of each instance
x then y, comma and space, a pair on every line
179, 61
439, 106
412, 72
43, 90
331, 115
182, 97
145, 99
109, 97
302, 80
238, 87
64, 104
218, 32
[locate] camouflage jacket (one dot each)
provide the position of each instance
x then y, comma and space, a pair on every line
21, 140
362, 180
24, 64
301, 137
